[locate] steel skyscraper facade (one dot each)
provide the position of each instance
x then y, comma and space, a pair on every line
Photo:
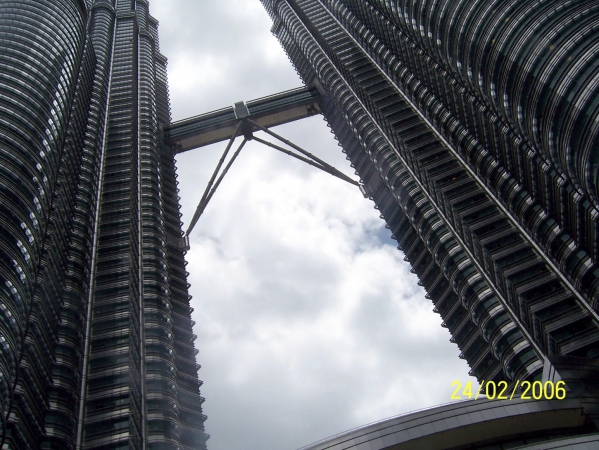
95, 326
474, 126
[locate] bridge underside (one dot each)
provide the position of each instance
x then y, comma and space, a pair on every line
220, 125
244, 119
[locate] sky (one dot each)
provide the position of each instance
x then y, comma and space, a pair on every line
309, 321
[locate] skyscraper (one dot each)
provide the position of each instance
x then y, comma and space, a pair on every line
474, 126
95, 324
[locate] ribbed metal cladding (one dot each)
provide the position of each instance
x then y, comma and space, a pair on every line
77, 216
175, 417
38, 137
443, 109
134, 394
95, 324
114, 398
190, 416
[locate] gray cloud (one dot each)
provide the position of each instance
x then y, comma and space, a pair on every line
309, 322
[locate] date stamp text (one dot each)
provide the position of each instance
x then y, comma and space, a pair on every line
524, 390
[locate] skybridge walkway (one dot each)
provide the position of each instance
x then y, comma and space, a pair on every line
219, 125
243, 119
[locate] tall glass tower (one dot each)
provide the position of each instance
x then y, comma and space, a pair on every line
96, 342
474, 125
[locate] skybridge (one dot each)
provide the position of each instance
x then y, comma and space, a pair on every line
244, 119
219, 125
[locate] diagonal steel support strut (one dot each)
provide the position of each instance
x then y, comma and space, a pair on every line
245, 125
326, 169
218, 166
330, 168
208, 193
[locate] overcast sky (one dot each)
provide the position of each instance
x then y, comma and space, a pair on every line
309, 322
